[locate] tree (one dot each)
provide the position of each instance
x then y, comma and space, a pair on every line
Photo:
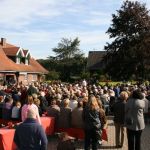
69, 60
67, 48
129, 51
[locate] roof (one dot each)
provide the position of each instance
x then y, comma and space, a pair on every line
95, 59
11, 51
7, 64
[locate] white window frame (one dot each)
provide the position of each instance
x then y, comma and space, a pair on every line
26, 61
18, 60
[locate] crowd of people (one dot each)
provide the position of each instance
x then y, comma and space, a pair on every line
82, 105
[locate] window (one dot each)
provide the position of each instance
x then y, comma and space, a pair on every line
18, 60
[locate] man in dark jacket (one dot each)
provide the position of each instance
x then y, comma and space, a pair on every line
30, 135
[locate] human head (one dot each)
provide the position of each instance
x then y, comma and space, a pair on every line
137, 94
93, 104
18, 104
53, 102
80, 104
1, 98
66, 102
124, 95
42, 93
30, 100
35, 96
37, 102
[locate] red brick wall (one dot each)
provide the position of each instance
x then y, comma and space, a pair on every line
30, 78
22, 79
1, 75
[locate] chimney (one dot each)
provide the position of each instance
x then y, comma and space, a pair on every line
3, 42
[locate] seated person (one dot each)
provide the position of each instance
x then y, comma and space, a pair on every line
53, 111
76, 117
64, 119
16, 111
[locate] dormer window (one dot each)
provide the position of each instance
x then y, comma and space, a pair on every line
18, 60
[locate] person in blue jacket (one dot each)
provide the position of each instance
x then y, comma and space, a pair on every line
30, 135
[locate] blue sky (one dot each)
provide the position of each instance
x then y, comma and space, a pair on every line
38, 25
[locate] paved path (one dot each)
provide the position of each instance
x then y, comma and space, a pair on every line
110, 145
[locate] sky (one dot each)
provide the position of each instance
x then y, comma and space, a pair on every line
39, 25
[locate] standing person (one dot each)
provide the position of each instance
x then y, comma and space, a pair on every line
27, 106
119, 118
30, 134
32, 89
92, 123
43, 102
135, 120
103, 120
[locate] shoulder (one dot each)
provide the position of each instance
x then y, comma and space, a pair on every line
140, 102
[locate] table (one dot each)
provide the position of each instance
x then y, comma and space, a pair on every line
7, 135
5, 122
48, 124
6, 139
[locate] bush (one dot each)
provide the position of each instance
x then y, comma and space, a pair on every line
85, 75
52, 75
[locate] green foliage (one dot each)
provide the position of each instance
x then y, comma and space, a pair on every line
110, 83
129, 51
69, 61
52, 75
85, 75
67, 48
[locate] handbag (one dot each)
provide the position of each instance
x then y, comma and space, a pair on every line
104, 135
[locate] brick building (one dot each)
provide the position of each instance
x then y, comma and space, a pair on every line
16, 64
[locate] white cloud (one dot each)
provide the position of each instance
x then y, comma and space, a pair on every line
41, 42
19, 13
39, 25
97, 18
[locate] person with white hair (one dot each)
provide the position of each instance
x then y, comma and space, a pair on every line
43, 101
30, 134
64, 119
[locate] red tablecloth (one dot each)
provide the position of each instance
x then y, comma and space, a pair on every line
7, 135
6, 139
5, 122
48, 124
